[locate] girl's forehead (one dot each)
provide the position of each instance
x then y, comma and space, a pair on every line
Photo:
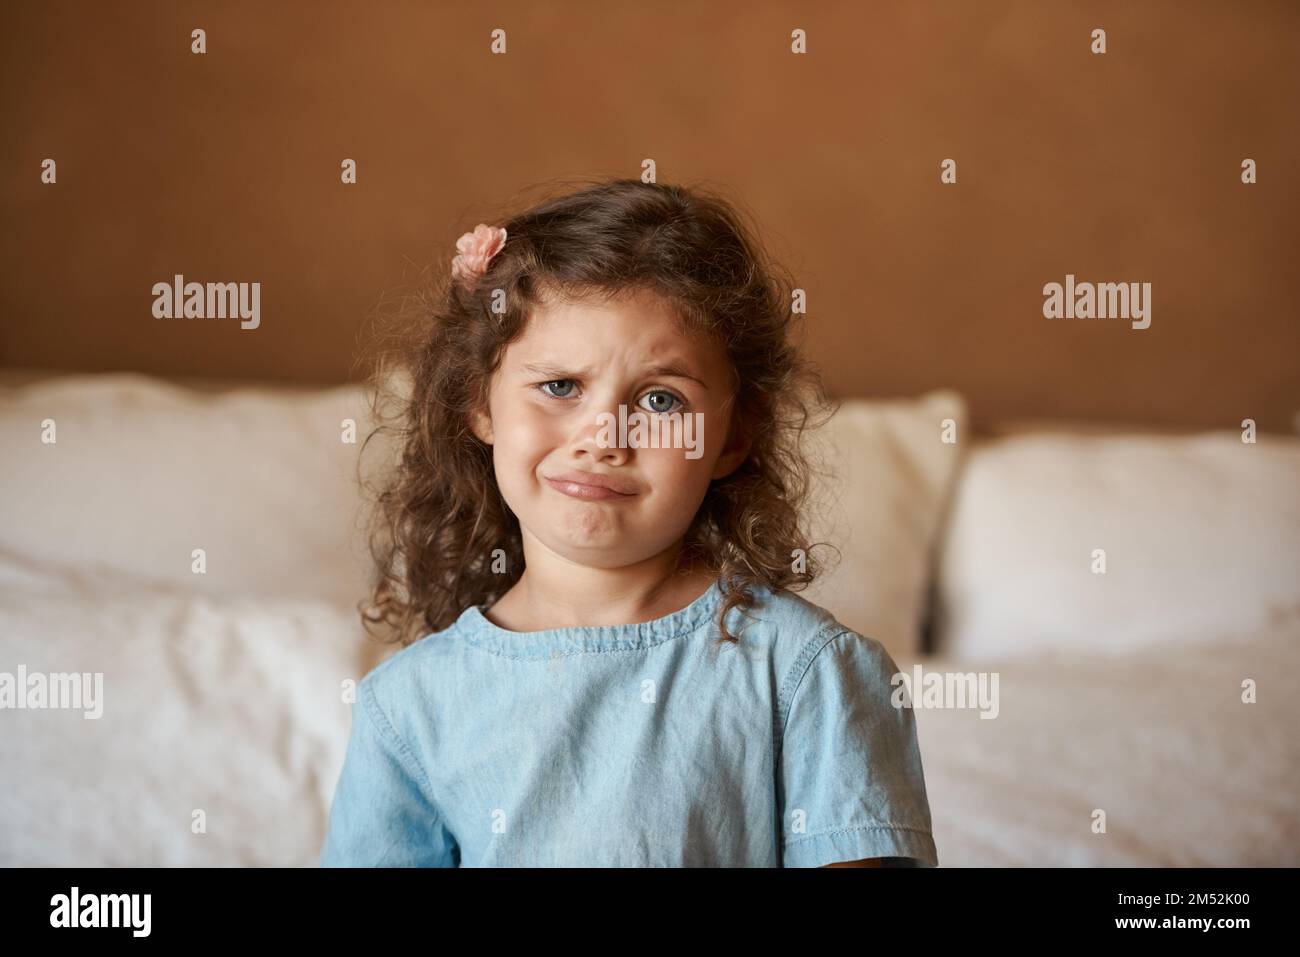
641, 325
594, 307
643, 321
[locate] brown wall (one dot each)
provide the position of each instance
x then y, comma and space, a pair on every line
1118, 167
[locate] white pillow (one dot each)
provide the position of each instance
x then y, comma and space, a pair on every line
1200, 533
230, 706
887, 475
143, 472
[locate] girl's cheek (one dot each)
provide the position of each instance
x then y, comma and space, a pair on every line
671, 463
530, 426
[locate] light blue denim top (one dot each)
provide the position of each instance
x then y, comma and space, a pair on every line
634, 746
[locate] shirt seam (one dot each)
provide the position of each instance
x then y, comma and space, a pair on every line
828, 634
691, 629
864, 827
405, 754
806, 658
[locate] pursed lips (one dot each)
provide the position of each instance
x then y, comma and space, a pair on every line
574, 486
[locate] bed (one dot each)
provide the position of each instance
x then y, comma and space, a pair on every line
200, 549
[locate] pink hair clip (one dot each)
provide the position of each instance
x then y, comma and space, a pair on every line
475, 251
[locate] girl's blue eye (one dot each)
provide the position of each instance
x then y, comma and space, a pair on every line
662, 407
554, 382
666, 395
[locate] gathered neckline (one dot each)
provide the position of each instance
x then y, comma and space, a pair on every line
475, 627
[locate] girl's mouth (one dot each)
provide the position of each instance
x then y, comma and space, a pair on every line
586, 492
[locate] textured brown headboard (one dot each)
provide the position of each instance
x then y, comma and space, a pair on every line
1123, 166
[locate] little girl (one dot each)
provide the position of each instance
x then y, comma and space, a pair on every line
601, 662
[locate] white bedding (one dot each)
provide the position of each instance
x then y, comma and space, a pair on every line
223, 691
226, 706
232, 706
1159, 738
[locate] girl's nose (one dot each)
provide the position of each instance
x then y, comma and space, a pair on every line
601, 432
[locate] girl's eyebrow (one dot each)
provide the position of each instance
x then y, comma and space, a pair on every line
670, 369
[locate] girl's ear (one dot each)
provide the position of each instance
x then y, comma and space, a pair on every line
480, 422
734, 451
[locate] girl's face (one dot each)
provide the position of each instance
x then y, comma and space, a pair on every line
574, 362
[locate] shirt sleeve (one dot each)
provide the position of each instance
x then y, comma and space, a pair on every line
381, 814
850, 770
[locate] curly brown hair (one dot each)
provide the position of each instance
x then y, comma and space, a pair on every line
438, 513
